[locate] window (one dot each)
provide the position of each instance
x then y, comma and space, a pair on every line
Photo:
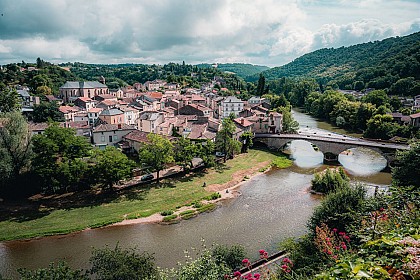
110, 138
115, 137
102, 138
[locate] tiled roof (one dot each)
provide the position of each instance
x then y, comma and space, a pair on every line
242, 122
232, 99
111, 112
85, 99
68, 109
82, 85
415, 116
112, 127
95, 110
137, 136
38, 126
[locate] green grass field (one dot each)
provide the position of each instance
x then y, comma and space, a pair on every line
136, 202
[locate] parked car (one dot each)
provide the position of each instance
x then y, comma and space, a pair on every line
147, 177
220, 154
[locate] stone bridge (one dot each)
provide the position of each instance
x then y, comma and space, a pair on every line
331, 144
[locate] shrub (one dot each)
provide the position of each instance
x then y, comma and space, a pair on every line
166, 212
169, 218
59, 271
330, 180
188, 216
281, 162
341, 209
214, 196
206, 208
231, 256
187, 212
122, 264
197, 204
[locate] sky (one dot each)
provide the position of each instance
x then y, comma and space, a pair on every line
263, 32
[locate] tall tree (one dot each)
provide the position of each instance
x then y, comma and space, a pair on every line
58, 158
290, 125
9, 99
111, 166
47, 111
15, 147
407, 170
260, 85
184, 152
158, 152
225, 142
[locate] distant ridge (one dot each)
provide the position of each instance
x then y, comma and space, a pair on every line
377, 64
241, 69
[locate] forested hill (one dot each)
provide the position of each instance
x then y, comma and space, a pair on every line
241, 69
378, 64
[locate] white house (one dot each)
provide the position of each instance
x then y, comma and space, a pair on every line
231, 105
109, 134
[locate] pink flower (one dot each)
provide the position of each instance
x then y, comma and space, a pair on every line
257, 276
262, 252
335, 230
286, 260
245, 262
237, 274
284, 267
341, 233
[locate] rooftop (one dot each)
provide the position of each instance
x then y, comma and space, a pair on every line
82, 85
112, 127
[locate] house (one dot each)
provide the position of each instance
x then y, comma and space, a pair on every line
68, 112
130, 115
81, 116
112, 116
154, 85
198, 99
107, 104
231, 105
93, 115
52, 98
85, 103
109, 134
255, 100
103, 97
37, 128
167, 127
26, 99
70, 91
273, 123
82, 128
149, 121
198, 132
415, 120
243, 124
416, 105
135, 139
195, 109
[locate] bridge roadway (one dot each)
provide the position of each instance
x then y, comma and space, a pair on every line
325, 136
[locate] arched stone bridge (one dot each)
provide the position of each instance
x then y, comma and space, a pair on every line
330, 144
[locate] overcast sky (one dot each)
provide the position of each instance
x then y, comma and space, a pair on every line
264, 32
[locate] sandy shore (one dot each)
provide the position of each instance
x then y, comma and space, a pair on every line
227, 190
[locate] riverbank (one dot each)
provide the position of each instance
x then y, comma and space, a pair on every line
75, 212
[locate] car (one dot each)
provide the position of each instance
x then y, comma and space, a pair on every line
147, 177
220, 154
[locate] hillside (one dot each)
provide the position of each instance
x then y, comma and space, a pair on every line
240, 69
393, 63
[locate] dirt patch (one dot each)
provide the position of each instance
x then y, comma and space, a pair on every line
237, 178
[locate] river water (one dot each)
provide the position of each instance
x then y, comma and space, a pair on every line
272, 207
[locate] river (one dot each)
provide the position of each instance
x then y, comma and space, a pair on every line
272, 207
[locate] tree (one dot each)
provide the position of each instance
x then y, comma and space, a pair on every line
43, 90
380, 127
289, 123
260, 86
58, 160
206, 152
47, 111
122, 264
184, 152
329, 180
155, 154
377, 97
15, 147
225, 143
54, 272
231, 256
246, 139
9, 99
111, 166
407, 170
39, 81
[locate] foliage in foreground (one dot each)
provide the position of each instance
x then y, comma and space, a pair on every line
329, 180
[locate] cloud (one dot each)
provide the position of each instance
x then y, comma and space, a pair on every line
267, 32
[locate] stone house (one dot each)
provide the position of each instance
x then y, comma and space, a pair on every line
109, 134
112, 116
231, 105
149, 121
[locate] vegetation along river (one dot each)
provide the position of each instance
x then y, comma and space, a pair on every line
272, 207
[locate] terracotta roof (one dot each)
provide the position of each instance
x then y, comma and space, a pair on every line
38, 126
105, 96
95, 110
68, 109
85, 99
112, 127
76, 124
155, 95
196, 97
242, 122
137, 136
108, 102
415, 116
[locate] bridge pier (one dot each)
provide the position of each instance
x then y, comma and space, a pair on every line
330, 158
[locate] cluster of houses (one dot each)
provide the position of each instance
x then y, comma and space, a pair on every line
125, 117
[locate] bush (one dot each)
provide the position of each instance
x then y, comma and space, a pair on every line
169, 218
281, 162
60, 271
188, 216
214, 196
206, 208
187, 212
329, 180
122, 264
231, 256
341, 209
197, 204
166, 212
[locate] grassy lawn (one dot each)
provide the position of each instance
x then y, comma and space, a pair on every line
133, 203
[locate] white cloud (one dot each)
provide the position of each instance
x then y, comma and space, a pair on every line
268, 32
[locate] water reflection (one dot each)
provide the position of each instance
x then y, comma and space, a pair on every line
362, 161
304, 154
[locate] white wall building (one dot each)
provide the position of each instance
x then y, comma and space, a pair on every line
230, 105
